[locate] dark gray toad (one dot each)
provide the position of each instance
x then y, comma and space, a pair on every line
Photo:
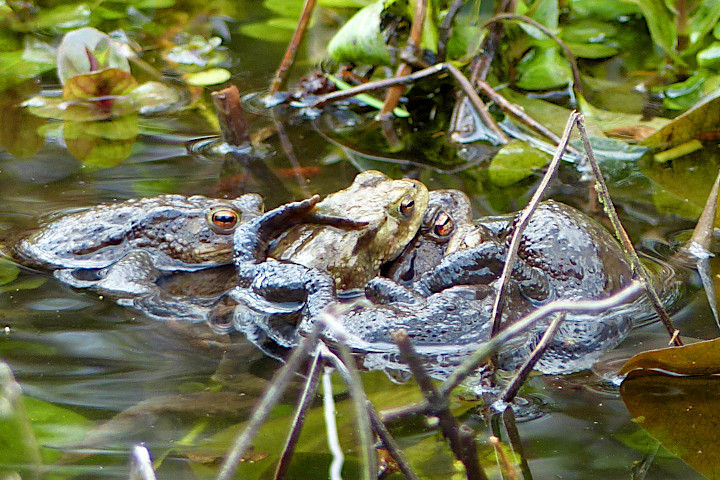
122, 248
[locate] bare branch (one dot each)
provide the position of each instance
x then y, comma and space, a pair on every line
638, 267
280, 75
523, 222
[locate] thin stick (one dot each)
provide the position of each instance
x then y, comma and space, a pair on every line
477, 102
231, 116
393, 95
495, 343
377, 423
638, 268
522, 223
281, 74
338, 458
508, 419
308, 395
465, 85
577, 86
272, 395
519, 113
439, 406
446, 27
512, 388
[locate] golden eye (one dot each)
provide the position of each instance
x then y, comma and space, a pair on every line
444, 225
223, 220
407, 206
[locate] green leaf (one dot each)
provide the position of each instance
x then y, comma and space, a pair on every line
544, 69
709, 57
15, 69
514, 162
360, 39
62, 17
683, 95
602, 9
278, 29
101, 144
154, 97
682, 414
703, 19
214, 76
661, 23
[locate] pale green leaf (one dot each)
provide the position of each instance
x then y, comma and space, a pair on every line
360, 39
514, 162
214, 76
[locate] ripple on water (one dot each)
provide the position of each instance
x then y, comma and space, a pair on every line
58, 304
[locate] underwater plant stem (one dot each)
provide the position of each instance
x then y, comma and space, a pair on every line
375, 420
512, 388
140, 464
462, 442
393, 95
280, 78
357, 394
487, 349
308, 395
638, 268
577, 85
331, 433
522, 223
269, 399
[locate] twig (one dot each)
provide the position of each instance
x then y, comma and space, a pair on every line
465, 85
308, 394
280, 75
512, 388
495, 343
392, 446
638, 268
338, 458
271, 396
445, 29
522, 223
231, 116
577, 86
519, 113
508, 419
393, 95
377, 423
439, 407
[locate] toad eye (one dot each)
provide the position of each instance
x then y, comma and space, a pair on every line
223, 220
407, 206
443, 225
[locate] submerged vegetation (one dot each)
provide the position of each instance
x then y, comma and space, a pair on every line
476, 93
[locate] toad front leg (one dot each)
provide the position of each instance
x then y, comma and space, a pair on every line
482, 265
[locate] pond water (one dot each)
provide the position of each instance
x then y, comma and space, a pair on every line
99, 377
